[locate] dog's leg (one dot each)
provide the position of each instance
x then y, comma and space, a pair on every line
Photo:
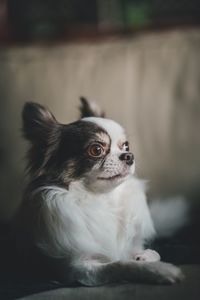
94, 273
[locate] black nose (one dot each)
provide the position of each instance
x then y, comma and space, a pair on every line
127, 157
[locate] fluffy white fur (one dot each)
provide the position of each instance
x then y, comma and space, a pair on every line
113, 225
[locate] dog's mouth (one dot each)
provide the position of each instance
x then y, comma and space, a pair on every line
114, 177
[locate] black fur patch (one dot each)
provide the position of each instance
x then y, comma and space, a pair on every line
71, 159
58, 153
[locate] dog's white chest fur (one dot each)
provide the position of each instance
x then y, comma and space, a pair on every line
113, 225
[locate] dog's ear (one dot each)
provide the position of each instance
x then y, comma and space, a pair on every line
90, 109
38, 121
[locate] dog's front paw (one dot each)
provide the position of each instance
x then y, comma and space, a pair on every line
147, 255
167, 273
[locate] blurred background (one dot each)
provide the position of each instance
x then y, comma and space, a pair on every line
138, 59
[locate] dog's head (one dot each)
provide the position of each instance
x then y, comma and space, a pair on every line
93, 149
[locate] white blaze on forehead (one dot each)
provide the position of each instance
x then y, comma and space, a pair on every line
114, 130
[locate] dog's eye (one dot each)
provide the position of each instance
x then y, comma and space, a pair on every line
126, 146
96, 150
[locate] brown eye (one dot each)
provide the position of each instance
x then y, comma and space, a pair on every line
96, 150
126, 146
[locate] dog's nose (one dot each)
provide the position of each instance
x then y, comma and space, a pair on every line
127, 157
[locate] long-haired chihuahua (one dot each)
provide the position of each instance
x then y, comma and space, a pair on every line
83, 207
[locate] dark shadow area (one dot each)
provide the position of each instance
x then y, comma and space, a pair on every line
21, 276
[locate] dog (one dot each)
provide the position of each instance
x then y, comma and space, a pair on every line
83, 207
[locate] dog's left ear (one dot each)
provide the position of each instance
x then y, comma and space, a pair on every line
90, 109
41, 129
38, 122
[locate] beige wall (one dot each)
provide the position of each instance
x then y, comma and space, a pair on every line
149, 83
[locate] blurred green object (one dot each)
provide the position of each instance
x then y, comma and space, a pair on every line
137, 15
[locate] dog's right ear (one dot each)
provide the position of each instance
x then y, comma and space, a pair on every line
37, 121
90, 109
